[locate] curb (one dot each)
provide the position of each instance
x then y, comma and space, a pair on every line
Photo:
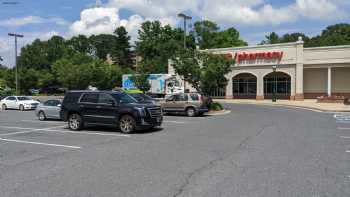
292, 106
218, 113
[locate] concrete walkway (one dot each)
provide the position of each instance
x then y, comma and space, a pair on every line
307, 104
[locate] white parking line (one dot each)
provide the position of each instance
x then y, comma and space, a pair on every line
32, 129
39, 143
89, 133
38, 121
348, 151
345, 137
343, 128
52, 129
15, 133
176, 122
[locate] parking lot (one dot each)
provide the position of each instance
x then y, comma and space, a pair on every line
278, 151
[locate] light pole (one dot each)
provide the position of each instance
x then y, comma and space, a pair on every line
274, 99
16, 36
185, 17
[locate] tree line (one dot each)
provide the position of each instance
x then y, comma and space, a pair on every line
101, 60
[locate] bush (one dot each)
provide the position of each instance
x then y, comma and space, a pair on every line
215, 107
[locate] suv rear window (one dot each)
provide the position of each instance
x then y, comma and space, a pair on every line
194, 97
89, 98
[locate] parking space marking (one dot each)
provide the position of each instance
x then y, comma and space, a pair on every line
39, 143
32, 129
15, 133
52, 129
343, 128
89, 133
38, 121
348, 151
345, 137
176, 122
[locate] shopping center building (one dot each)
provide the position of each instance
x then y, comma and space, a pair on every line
290, 70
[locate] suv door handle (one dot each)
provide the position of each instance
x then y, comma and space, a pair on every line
98, 107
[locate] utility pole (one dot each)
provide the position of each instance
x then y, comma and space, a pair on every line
16, 36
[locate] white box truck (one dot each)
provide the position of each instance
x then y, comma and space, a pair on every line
161, 84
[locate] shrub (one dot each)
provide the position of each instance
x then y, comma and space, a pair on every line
216, 107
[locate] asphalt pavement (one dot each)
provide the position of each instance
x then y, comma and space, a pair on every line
252, 151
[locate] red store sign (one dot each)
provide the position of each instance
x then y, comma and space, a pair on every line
239, 57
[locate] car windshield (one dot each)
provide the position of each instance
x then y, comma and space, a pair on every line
124, 98
23, 98
141, 97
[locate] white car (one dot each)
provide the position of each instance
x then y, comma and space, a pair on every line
18, 102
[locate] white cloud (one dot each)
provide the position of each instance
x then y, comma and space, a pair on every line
225, 12
232, 12
17, 22
29, 20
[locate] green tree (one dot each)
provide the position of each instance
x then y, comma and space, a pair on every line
80, 71
121, 54
205, 72
80, 44
208, 36
75, 72
157, 44
34, 55
103, 45
338, 34
272, 38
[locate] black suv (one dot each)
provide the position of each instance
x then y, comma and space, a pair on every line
81, 108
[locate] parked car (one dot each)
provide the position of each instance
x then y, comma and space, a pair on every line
18, 102
49, 110
193, 104
80, 108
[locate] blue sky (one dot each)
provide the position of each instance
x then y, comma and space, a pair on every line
253, 18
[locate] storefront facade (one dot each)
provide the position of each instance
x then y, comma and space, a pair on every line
289, 69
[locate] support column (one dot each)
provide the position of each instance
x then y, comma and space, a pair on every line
299, 71
229, 88
329, 82
260, 88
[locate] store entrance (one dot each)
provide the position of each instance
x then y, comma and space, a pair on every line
279, 81
244, 86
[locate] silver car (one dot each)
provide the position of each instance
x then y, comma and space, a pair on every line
49, 110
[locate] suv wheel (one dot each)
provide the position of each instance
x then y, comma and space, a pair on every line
75, 122
191, 112
127, 124
4, 107
41, 116
21, 107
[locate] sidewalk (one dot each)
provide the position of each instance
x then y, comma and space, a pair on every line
306, 104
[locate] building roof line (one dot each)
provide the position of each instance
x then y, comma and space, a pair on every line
328, 47
253, 46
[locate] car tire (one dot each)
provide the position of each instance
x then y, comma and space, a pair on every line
41, 116
75, 122
127, 124
190, 112
4, 107
21, 107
